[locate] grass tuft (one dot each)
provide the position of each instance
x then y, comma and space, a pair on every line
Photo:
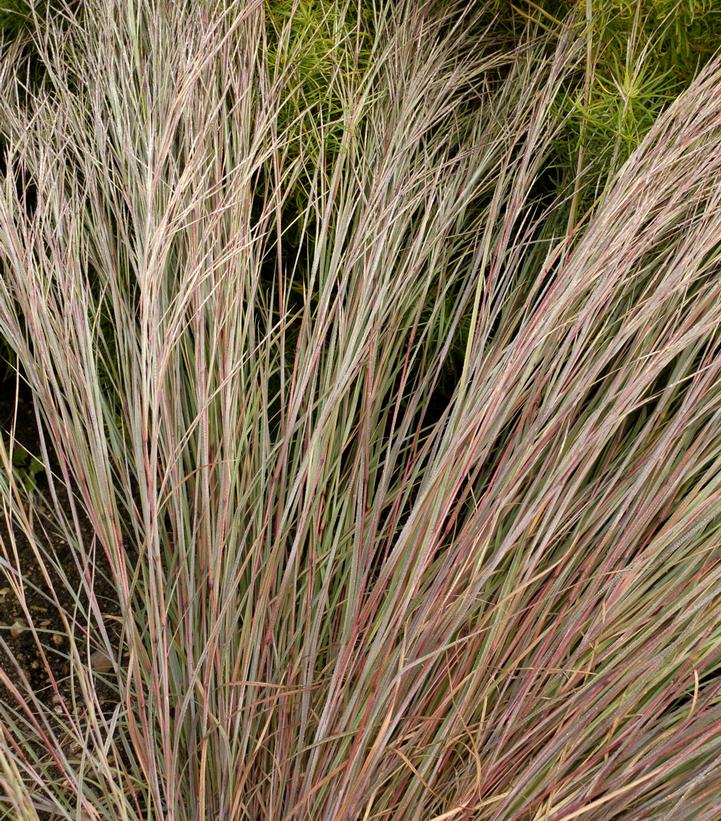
343, 587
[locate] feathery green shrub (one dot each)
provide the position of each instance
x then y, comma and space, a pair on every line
640, 56
14, 17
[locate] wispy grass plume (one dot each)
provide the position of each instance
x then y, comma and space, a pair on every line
347, 590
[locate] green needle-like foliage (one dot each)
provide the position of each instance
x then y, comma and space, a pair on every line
15, 17
317, 47
640, 56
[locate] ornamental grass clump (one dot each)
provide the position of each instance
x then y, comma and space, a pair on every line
344, 592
